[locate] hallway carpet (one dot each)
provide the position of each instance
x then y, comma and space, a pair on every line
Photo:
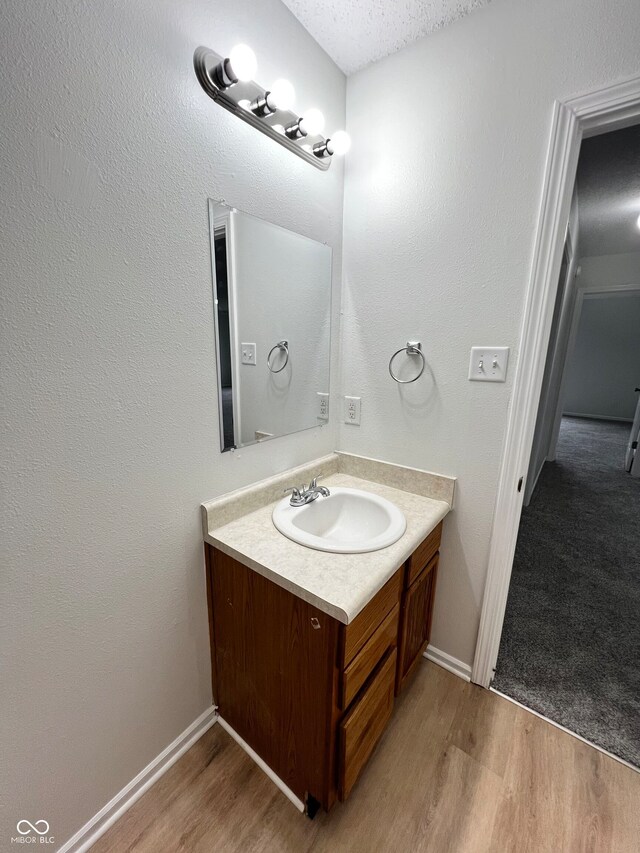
570, 647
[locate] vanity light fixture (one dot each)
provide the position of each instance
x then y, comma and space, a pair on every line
638, 221
228, 81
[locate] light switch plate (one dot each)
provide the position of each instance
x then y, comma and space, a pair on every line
352, 410
323, 406
248, 353
488, 364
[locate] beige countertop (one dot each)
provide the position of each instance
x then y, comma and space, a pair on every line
338, 584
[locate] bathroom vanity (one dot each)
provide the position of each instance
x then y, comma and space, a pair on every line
309, 649
319, 604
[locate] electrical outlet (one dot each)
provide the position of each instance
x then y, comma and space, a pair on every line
488, 364
248, 352
352, 410
323, 406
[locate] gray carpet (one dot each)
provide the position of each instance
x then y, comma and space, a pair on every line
570, 647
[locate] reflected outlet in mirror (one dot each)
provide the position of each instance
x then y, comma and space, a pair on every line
272, 313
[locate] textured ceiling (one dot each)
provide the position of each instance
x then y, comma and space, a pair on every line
609, 193
357, 32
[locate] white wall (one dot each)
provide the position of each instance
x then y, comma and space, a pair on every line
282, 284
442, 195
596, 274
108, 150
604, 369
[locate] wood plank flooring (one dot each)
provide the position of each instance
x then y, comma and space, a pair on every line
459, 770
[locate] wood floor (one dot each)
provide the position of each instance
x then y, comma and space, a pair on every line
459, 769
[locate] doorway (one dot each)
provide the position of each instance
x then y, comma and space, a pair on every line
591, 116
569, 646
570, 641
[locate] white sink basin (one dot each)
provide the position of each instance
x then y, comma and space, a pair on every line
347, 522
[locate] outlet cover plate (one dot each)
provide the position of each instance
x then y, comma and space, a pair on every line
323, 406
352, 411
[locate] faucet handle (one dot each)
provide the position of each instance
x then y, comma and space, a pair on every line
298, 495
314, 487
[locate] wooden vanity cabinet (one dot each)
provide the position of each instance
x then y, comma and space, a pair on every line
310, 695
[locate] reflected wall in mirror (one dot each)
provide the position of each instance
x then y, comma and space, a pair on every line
272, 312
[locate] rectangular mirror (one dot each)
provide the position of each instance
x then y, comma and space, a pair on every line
272, 313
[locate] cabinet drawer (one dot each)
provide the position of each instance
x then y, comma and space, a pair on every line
362, 727
356, 633
383, 638
422, 555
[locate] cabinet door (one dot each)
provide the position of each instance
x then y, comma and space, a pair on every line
275, 669
415, 621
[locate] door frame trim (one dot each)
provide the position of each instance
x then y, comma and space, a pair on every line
598, 112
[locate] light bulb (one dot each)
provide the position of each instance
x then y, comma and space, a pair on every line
312, 123
282, 94
339, 143
243, 62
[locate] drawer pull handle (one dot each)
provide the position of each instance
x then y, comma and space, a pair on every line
315, 623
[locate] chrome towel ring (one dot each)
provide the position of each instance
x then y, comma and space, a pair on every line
281, 345
412, 348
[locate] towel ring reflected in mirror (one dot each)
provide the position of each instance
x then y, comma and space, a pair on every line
412, 348
281, 345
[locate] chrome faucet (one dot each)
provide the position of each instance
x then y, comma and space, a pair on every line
306, 494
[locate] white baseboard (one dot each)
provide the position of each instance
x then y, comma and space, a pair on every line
596, 417
297, 802
457, 667
87, 835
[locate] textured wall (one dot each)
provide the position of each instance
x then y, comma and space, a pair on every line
442, 195
108, 151
604, 369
